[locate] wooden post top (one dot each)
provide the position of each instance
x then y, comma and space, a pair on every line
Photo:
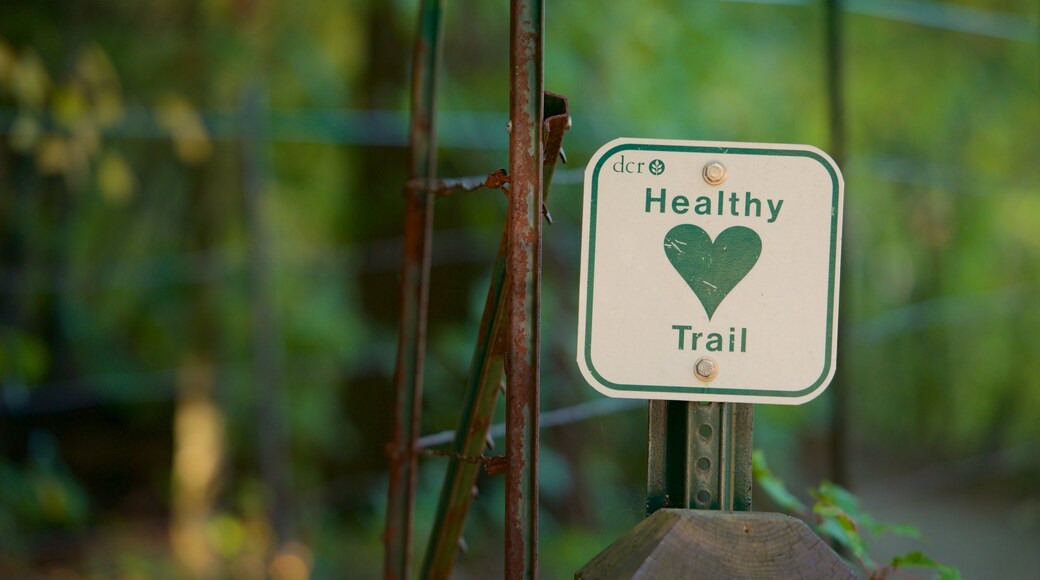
690, 544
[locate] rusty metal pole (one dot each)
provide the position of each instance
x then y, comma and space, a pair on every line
523, 269
471, 436
415, 289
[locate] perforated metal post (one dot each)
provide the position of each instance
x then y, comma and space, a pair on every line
699, 456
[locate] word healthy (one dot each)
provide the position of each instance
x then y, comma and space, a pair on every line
680, 204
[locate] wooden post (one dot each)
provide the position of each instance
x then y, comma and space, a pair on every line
710, 544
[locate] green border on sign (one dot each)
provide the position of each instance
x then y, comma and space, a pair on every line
828, 348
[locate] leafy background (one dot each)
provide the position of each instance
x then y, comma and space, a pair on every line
200, 220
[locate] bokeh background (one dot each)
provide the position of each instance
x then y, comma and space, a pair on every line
200, 233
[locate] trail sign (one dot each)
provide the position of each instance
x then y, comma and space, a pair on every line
709, 271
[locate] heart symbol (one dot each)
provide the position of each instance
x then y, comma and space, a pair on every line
712, 270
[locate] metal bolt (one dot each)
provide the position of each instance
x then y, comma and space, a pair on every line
706, 368
714, 172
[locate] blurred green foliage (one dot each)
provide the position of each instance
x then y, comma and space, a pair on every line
122, 209
838, 517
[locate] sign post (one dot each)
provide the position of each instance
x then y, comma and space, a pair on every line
709, 275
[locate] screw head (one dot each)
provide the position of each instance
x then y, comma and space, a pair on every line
706, 368
714, 172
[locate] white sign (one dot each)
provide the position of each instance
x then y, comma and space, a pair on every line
709, 271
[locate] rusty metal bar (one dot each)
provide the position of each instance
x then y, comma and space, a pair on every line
415, 283
486, 368
523, 268
556, 120
471, 435
497, 179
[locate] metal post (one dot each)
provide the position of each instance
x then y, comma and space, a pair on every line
485, 377
523, 269
477, 410
699, 456
415, 283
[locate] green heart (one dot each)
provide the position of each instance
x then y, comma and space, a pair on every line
712, 270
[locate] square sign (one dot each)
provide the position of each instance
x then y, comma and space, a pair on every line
709, 271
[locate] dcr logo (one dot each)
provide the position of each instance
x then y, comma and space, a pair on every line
656, 166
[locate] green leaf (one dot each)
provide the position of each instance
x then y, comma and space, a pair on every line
919, 560
840, 496
833, 529
773, 485
840, 526
845, 500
